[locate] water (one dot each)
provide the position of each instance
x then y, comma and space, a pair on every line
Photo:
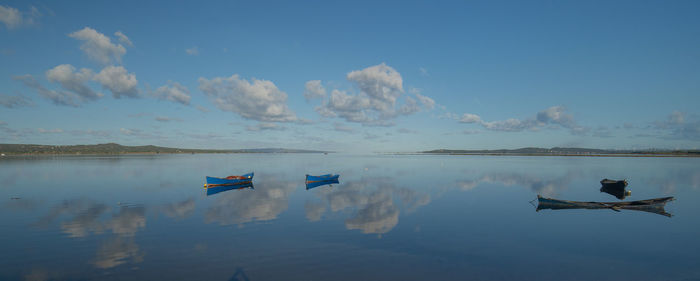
406, 217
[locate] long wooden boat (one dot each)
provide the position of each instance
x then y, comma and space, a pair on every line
655, 205
310, 185
230, 180
327, 177
222, 188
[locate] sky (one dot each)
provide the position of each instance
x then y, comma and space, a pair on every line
352, 76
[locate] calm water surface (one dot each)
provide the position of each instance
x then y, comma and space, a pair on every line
390, 218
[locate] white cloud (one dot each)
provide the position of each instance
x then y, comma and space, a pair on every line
98, 47
194, 51
15, 101
424, 72
678, 125
376, 104
510, 125
57, 97
342, 128
123, 39
13, 18
174, 92
676, 117
470, 118
349, 107
129, 132
381, 83
50, 131
118, 81
409, 107
73, 81
264, 126
260, 100
166, 119
425, 101
555, 116
406, 131
314, 90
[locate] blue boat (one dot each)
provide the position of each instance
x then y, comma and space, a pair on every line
327, 177
310, 185
230, 180
222, 188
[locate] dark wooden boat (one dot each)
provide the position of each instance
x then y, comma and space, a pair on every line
655, 205
613, 183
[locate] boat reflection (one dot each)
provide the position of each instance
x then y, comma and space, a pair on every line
618, 191
655, 206
310, 185
615, 188
222, 188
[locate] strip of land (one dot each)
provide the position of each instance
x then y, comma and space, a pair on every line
569, 151
113, 148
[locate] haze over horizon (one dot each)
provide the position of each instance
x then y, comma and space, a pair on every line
352, 76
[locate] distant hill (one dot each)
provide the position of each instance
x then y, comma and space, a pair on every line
277, 150
566, 151
113, 148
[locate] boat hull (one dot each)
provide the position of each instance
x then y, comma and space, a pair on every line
234, 180
328, 177
613, 183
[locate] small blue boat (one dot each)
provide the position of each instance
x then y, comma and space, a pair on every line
222, 188
230, 180
328, 177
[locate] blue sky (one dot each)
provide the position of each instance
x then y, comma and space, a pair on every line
353, 75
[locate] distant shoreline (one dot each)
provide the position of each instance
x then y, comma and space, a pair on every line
117, 149
568, 151
564, 155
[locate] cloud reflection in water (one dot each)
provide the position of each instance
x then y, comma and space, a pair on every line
87, 217
547, 187
268, 200
179, 210
373, 200
116, 251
